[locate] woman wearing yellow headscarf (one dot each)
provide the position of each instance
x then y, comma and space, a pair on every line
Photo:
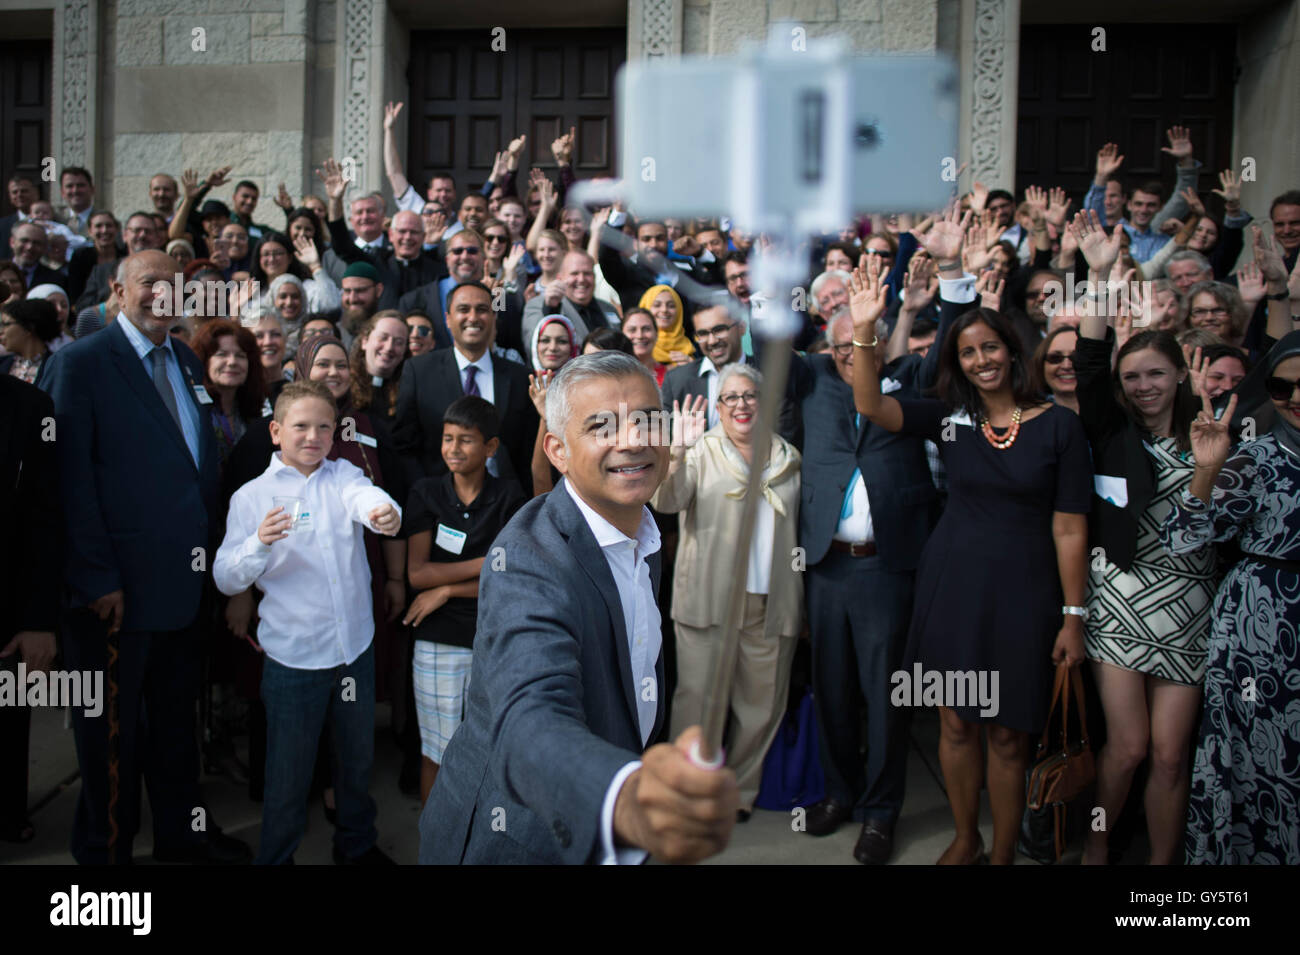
665, 305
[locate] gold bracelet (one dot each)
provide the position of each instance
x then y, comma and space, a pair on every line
875, 340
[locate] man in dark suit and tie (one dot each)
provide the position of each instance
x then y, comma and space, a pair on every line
29, 575
868, 504
22, 193
551, 764
28, 243
432, 381
138, 468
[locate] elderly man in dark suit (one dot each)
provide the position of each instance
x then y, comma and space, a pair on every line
29, 575
138, 467
551, 764
432, 381
868, 505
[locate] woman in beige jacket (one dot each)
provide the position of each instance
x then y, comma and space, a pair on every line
707, 477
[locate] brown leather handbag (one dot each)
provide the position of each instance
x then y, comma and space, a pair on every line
1059, 785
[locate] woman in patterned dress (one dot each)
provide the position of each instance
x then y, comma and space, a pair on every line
1148, 611
1245, 795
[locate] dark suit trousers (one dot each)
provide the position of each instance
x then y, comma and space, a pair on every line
15, 731
859, 613
158, 679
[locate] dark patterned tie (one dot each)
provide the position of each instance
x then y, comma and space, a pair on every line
471, 386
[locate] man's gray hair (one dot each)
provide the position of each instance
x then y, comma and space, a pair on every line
601, 364
825, 277
1188, 255
369, 197
738, 369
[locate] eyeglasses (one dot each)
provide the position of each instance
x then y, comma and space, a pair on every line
732, 399
1279, 389
495, 238
1207, 312
465, 250
420, 331
1056, 357
701, 334
843, 351
883, 255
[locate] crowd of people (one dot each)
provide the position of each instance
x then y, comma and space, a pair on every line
365, 453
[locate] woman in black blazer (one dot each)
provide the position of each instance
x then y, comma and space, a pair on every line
1148, 612
27, 326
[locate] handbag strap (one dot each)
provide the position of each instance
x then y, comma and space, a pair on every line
1057, 687
1065, 677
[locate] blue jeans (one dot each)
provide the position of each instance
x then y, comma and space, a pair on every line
297, 703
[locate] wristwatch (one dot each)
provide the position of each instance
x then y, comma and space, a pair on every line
1281, 296
1075, 611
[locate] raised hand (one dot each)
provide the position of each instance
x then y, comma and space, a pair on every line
1180, 143
1108, 161
977, 252
1193, 201
1197, 366
304, 250
515, 149
921, 284
218, 177
498, 167
690, 421
1267, 257
550, 198
866, 300
1098, 250
435, 224
1230, 190
1211, 440
1251, 284
990, 289
562, 147
1293, 283
944, 239
331, 176
190, 183
511, 265
391, 112
1058, 206
599, 219
537, 391
687, 245
1037, 199
979, 197
283, 199
924, 226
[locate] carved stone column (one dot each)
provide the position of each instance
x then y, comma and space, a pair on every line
654, 28
358, 89
74, 132
990, 61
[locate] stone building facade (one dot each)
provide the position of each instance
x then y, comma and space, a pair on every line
141, 86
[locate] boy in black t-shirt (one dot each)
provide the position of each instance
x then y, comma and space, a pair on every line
451, 521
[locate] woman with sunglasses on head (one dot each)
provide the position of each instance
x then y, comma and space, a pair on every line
1244, 806
1148, 611
1001, 582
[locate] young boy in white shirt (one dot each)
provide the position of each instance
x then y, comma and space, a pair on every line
297, 532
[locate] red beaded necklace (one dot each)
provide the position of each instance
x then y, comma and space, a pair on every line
1001, 443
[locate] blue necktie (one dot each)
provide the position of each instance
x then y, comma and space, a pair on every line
471, 386
846, 509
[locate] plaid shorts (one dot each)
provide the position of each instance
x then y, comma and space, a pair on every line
441, 681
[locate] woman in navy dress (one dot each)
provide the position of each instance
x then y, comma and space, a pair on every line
1002, 579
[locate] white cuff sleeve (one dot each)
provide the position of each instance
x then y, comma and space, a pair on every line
609, 854
617, 218
960, 291
410, 201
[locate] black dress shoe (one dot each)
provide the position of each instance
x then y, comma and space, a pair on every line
876, 844
372, 856
825, 817
217, 849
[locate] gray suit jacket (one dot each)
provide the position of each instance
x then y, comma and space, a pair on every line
536, 310
551, 715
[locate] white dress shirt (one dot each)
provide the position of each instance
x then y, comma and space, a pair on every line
708, 368
627, 559
316, 612
484, 377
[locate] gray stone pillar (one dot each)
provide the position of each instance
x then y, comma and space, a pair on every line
654, 28
359, 89
990, 58
74, 131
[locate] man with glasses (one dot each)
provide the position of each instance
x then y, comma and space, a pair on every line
719, 336
403, 265
572, 295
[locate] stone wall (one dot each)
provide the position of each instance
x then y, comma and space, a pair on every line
205, 83
717, 27
1267, 109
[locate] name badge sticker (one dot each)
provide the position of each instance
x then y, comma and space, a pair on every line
202, 395
366, 439
450, 539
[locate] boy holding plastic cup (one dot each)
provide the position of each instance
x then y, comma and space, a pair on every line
317, 621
